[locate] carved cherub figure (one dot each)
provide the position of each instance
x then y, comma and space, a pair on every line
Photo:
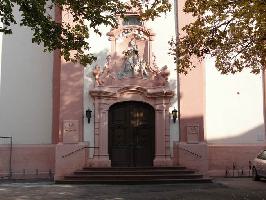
164, 73
107, 70
142, 68
97, 75
154, 68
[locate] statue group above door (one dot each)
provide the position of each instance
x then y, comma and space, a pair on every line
131, 60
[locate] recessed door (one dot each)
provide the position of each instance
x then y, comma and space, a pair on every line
131, 134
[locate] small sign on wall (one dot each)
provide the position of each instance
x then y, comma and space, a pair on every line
70, 131
193, 131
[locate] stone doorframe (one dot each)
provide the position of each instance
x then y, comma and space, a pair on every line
158, 98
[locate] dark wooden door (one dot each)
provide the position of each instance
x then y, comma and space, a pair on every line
131, 134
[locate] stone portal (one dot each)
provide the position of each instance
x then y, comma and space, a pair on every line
131, 74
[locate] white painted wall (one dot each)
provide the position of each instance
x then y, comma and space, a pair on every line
1, 39
100, 46
164, 28
26, 89
234, 107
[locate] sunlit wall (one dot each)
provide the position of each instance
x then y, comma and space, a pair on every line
1, 39
26, 89
234, 107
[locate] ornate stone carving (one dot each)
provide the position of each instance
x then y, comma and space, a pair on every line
102, 75
107, 69
131, 75
97, 75
162, 77
139, 33
132, 59
133, 64
116, 93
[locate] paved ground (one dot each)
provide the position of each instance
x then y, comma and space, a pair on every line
221, 189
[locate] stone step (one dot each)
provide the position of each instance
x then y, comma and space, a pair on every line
139, 182
132, 168
131, 171
136, 175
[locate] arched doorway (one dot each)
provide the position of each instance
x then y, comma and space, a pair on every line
131, 131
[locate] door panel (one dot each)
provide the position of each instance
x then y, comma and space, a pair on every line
119, 149
143, 148
131, 134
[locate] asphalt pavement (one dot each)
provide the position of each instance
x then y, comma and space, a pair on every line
220, 189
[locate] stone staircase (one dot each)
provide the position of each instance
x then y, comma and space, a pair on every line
136, 175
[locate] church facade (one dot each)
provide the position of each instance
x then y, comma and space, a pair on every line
129, 108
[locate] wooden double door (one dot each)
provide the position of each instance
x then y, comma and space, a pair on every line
131, 133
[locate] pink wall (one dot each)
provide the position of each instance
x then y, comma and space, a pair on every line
69, 158
223, 156
28, 158
67, 92
71, 102
71, 94
56, 86
192, 156
192, 89
213, 160
192, 101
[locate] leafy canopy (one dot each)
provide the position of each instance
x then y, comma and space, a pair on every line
71, 36
233, 31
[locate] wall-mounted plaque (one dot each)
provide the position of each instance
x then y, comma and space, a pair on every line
70, 131
193, 131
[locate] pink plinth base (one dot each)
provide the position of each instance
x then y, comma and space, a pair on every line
223, 156
102, 161
162, 161
69, 158
192, 156
28, 161
216, 159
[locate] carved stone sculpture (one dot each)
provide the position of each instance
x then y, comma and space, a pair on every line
142, 70
131, 60
103, 75
107, 69
162, 76
97, 75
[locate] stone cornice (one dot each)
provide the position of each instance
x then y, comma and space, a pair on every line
116, 92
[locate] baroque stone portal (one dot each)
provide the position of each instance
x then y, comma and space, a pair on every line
131, 74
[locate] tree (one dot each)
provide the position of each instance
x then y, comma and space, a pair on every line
71, 36
232, 31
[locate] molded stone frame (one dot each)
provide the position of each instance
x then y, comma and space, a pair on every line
159, 99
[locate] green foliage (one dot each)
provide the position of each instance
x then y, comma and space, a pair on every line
70, 37
233, 31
